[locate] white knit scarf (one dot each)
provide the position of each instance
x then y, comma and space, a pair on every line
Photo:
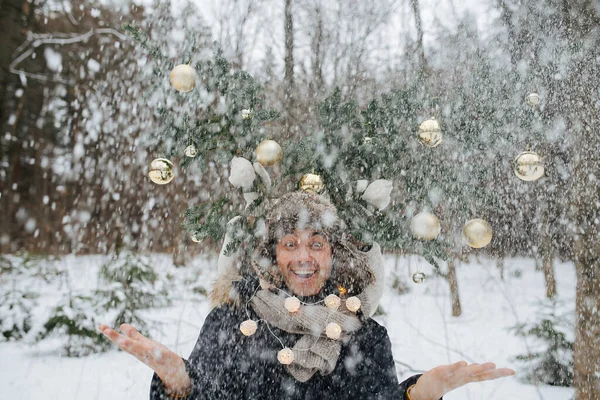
314, 351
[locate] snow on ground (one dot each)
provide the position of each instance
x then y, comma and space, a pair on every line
419, 323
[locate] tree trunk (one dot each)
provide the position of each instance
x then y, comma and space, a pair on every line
289, 51
500, 266
17, 117
547, 251
453, 281
419, 26
317, 54
584, 120
587, 334
12, 34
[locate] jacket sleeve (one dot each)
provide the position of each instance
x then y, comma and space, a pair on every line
210, 366
377, 369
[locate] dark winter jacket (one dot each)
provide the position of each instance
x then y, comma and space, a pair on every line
225, 364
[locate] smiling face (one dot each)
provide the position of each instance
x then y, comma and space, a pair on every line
304, 260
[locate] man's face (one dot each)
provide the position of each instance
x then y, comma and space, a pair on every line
304, 259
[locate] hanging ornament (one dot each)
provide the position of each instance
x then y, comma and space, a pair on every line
419, 277
312, 183
353, 303
533, 99
161, 171
425, 226
430, 133
333, 331
268, 153
292, 304
529, 166
246, 114
190, 151
367, 140
477, 233
285, 356
248, 327
195, 238
183, 78
333, 302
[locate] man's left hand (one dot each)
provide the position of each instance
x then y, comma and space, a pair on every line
438, 381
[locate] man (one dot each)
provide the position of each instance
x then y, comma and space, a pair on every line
291, 352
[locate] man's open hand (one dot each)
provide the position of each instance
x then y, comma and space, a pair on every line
438, 381
166, 363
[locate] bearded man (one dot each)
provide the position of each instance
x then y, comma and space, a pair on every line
313, 346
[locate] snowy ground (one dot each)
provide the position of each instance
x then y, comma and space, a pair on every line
422, 331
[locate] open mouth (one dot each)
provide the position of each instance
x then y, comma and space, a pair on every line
304, 274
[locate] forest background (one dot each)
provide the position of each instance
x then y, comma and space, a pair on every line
73, 160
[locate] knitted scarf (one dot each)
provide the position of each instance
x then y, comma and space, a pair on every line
314, 351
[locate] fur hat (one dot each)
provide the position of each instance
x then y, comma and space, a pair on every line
291, 212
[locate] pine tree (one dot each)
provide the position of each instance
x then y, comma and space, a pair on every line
552, 363
130, 284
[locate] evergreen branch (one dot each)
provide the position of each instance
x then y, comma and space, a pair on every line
144, 41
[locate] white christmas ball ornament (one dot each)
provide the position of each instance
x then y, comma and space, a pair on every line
419, 277
425, 226
529, 166
248, 327
353, 303
161, 171
183, 78
333, 331
477, 233
285, 356
269, 153
191, 151
333, 302
533, 99
430, 133
292, 304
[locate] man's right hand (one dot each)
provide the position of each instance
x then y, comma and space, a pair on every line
167, 364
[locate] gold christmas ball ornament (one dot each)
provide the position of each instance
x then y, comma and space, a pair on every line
312, 183
353, 303
292, 304
268, 153
425, 226
333, 331
183, 78
248, 327
419, 277
477, 233
246, 114
285, 356
430, 133
161, 171
333, 302
191, 151
529, 166
533, 99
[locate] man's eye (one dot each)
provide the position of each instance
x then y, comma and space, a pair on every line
317, 245
290, 244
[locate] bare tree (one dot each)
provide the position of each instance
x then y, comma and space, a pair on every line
420, 48
288, 27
